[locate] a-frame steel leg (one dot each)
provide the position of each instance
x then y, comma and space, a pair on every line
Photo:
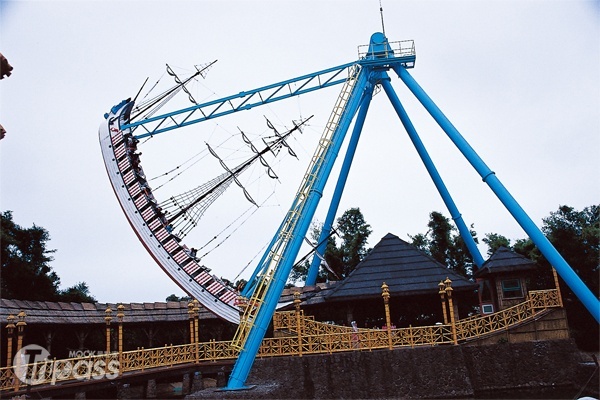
313, 271
306, 207
433, 173
535, 234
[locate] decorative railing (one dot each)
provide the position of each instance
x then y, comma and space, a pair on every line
297, 335
476, 327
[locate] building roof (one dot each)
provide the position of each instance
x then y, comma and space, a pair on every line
48, 312
404, 268
309, 295
505, 260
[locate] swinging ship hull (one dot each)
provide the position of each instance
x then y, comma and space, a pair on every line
141, 212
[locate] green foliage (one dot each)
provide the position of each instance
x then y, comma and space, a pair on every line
300, 270
444, 244
26, 272
576, 236
174, 297
494, 241
78, 293
354, 233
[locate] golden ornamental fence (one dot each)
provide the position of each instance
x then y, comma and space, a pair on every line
296, 334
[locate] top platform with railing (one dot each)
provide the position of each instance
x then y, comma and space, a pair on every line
403, 50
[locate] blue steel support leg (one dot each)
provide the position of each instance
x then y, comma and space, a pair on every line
307, 209
313, 271
435, 176
535, 234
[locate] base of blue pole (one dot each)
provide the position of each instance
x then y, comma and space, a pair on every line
227, 389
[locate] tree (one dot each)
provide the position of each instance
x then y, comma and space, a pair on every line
300, 269
26, 272
78, 293
576, 236
494, 241
444, 244
354, 233
174, 297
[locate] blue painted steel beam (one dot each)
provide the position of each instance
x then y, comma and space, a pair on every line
243, 101
306, 209
256, 97
313, 271
433, 173
535, 234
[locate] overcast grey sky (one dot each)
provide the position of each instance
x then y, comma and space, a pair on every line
519, 79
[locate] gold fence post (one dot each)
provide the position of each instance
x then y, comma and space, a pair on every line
196, 310
191, 318
442, 293
21, 324
120, 316
108, 318
556, 283
386, 303
297, 302
10, 329
448, 284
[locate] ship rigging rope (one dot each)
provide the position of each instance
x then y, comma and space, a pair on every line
193, 160
152, 88
235, 230
184, 210
227, 227
261, 251
154, 104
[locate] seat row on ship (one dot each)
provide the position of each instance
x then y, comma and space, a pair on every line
166, 245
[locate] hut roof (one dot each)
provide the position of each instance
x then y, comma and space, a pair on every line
505, 260
404, 268
48, 312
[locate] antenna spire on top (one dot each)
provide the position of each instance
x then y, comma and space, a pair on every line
381, 11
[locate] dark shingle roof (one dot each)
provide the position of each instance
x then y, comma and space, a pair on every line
405, 269
47, 312
309, 295
505, 260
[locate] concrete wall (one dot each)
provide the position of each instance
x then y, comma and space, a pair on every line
426, 372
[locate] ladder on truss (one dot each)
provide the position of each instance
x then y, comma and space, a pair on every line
285, 235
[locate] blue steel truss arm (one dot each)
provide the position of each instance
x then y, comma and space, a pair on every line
433, 173
313, 271
535, 234
241, 101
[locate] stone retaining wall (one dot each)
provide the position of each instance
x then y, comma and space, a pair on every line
424, 372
